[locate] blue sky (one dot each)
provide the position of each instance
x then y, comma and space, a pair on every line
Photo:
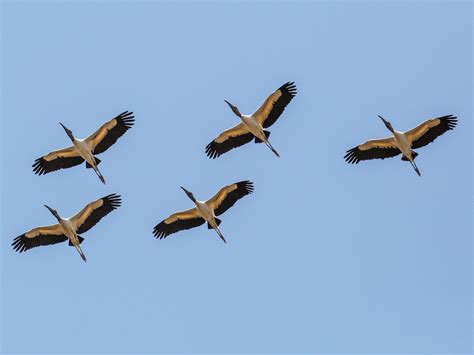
324, 257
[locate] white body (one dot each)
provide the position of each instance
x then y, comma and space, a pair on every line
208, 215
69, 231
84, 151
205, 212
403, 144
254, 127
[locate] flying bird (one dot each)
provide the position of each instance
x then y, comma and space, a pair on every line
86, 149
204, 211
402, 142
68, 228
253, 127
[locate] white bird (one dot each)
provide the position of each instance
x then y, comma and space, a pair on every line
252, 127
205, 211
68, 228
402, 142
86, 149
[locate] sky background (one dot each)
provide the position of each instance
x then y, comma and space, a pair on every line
324, 257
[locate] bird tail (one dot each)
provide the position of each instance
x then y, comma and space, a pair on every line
272, 149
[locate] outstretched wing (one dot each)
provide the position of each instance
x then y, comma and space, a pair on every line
429, 130
228, 140
90, 215
39, 236
275, 104
229, 195
58, 159
110, 132
373, 149
177, 222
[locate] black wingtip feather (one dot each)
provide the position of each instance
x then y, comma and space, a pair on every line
246, 186
288, 92
351, 156
447, 123
215, 150
114, 200
162, 229
289, 88
126, 118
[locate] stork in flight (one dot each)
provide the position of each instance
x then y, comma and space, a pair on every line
86, 149
68, 228
205, 211
402, 142
252, 127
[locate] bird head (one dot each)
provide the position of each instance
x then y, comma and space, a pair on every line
233, 108
189, 193
387, 124
53, 211
68, 131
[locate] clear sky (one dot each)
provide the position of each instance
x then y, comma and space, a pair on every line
323, 257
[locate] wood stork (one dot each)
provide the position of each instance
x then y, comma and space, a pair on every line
402, 142
68, 228
205, 211
86, 149
252, 127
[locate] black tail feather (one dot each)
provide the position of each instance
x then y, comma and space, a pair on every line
80, 241
258, 140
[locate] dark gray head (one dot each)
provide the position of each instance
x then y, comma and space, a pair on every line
53, 211
190, 194
387, 124
233, 108
68, 131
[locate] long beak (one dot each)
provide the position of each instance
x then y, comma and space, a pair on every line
187, 192
384, 121
65, 128
49, 208
228, 103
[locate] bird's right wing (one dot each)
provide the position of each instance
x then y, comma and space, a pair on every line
275, 104
428, 131
373, 149
110, 132
58, 159
229, 195
39, 236
177, 222
90, 215
229, 139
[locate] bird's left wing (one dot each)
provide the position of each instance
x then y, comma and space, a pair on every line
275, 104
110, 132
177, 222
229, 195
232, 138
373, 149
429, 130
90, 215
39, 236
58, 159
